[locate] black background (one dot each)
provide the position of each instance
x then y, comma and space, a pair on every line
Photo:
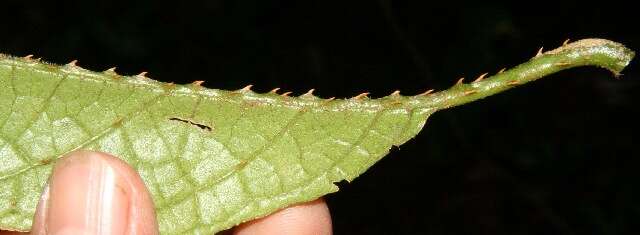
553, 157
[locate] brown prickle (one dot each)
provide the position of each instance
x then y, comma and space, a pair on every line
426, 92
565, 42
247, 88
286, 94
361, 95
395, 93
73, 63
111, 70
480, 77
275, 90
460, 81
197, 83
539, 53
28, 57
469, 92
502, 70
309, 93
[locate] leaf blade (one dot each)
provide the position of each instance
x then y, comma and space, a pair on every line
258, 152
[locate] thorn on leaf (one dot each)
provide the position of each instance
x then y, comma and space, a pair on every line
426, 92
275, 90
361, 95
460, 81
565, 42
469, 92
480, 77
246, 88
309, 93
539, 52
142, 74
286, 94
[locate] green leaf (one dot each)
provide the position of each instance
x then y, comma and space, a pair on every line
216, 158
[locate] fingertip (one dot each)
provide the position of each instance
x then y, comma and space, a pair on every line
311, 218
94, 192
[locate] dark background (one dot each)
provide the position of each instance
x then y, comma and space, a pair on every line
553, 157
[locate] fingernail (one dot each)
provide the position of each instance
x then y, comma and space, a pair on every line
86, 196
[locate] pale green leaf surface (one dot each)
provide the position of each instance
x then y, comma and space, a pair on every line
211, 158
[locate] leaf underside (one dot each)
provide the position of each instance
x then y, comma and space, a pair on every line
215, 158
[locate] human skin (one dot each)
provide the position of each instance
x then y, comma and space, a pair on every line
96, 193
